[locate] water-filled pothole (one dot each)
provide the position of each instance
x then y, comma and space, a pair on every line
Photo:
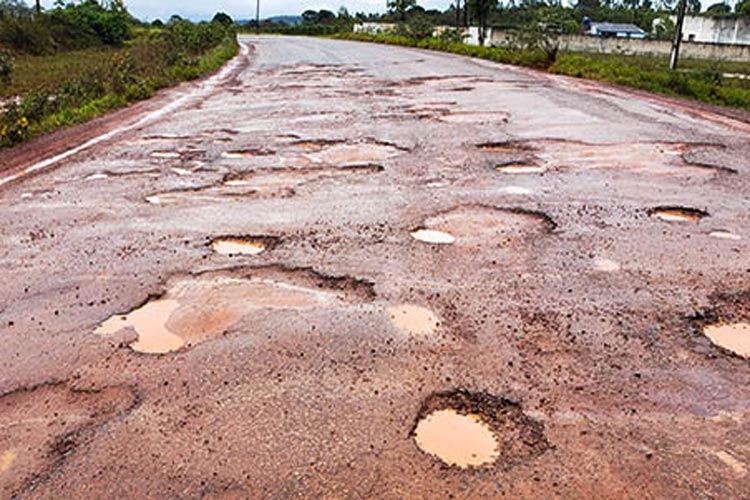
734, 337
432, 236
519, 168
606, 265
366, 152
502, 147
460, 440
468, 429
166, 155
484, 226
241, 245
196, 309
413, 320
677, 214
723, 234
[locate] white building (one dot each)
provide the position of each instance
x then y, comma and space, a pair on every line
720, 30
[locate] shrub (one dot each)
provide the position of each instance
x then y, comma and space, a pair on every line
6, 67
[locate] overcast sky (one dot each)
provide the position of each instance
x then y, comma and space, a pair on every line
244, 9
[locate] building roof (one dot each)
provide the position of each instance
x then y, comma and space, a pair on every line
617, 28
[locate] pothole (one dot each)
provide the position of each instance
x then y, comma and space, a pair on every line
42, 425
355, 153
515, 190
677, 214
606, 265
474, 117
483, 225
723, 234
96, 177
246, 153
466, 429
734, 337
276, 180
502, 147
460, 440
519, 168
432, 236
317, 143
413, 320
196, 309
241, 245
166, 155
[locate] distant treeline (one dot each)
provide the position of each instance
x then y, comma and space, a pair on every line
511, 15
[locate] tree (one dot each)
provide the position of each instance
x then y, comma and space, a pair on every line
400, 7
743, 8
325, 17
481, 10
719, 9
223, 18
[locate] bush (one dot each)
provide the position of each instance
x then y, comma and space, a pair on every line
6, 68
104, 79
66, 27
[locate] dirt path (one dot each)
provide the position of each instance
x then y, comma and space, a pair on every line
346, 270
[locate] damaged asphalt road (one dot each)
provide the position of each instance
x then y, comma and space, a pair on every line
296, 278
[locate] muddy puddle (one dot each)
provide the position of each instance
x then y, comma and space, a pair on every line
677, 214
434, 237
734, 337
234, 245
413, 320
459, 440
475, 429
195, 310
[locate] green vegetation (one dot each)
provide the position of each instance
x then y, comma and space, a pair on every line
702, 80
45, 85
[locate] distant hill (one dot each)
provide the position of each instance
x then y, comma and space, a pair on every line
292, 20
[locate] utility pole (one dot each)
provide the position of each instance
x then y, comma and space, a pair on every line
257, 16
675, 55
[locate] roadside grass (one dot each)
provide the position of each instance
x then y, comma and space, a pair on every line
51, 92
698, 79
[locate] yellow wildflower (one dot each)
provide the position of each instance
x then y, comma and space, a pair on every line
24, 122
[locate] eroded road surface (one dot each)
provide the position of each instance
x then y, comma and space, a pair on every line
342, 270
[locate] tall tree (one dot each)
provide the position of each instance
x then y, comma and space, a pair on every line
481, 10
400, 7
